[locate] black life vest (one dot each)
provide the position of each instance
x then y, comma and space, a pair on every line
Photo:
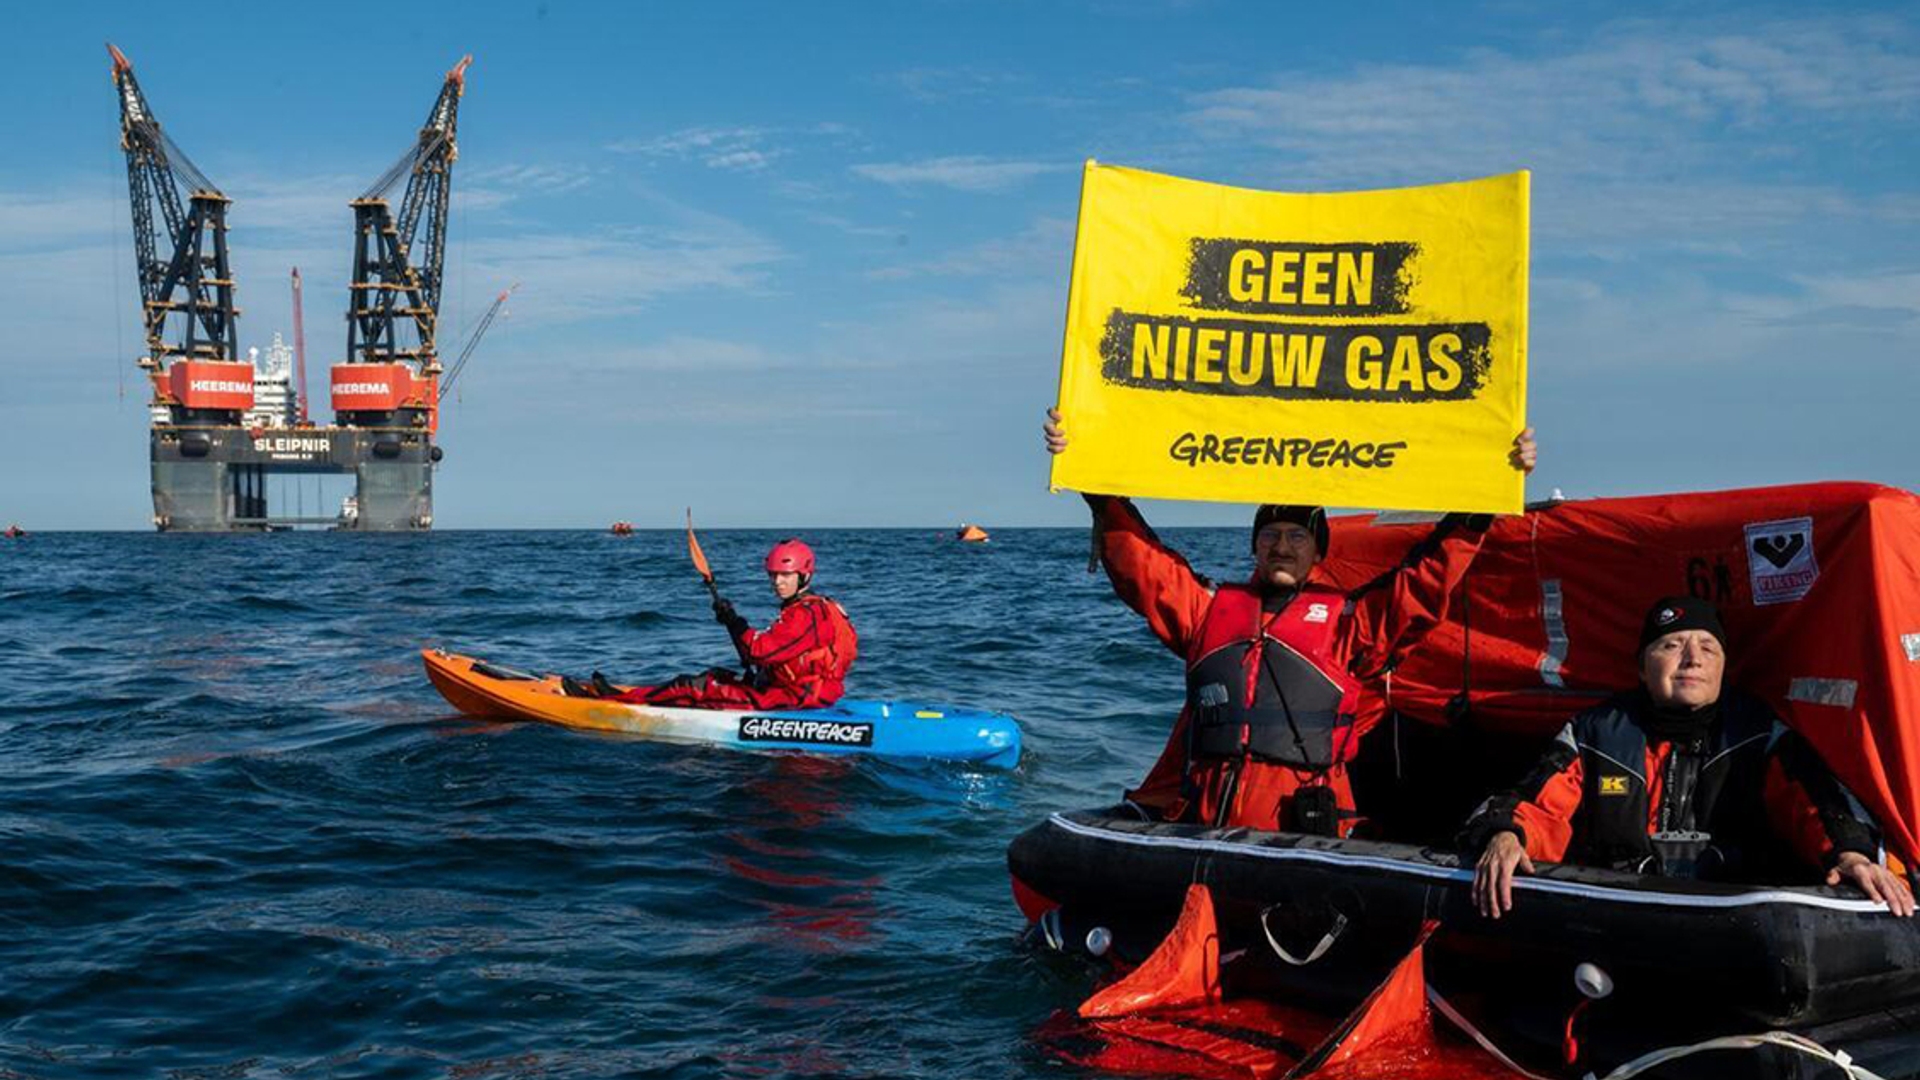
1711, 791
1268, 685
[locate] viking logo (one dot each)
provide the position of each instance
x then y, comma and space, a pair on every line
1780, 550
1780, 560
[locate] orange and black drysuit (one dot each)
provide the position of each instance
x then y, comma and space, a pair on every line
1743, 798
1280, 685
799, 662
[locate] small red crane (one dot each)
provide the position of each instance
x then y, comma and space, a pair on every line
299, 348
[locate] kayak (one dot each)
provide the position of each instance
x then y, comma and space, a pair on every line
903, 729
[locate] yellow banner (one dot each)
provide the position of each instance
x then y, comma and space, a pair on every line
1366, 349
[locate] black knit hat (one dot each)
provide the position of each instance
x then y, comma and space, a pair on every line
1311, 518
1672, 614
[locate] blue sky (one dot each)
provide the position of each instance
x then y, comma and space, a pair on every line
806, 265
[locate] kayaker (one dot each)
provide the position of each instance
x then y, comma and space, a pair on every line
799, 662
1676, 778
1311, 655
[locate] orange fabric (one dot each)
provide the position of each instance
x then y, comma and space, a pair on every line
1395, 1015
1607, 559
1184, 970
1261, 795
1154, 581
1547, 819
1389, 613
1795, 818
1232, 1039
1244, 1039
808, 650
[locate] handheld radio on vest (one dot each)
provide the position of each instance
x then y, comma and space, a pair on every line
1212, 701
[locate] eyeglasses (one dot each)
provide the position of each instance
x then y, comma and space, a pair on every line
1293, 537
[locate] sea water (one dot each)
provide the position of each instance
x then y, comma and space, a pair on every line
242, 836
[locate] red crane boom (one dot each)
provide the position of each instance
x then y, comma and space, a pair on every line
299, 349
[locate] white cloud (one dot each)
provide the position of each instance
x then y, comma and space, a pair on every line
736, 148
893, 233
1639, 98
977, 174
676, 353
62, 216
730, 149
1844, 303
1891, 292
1646, 136
571, 276
63, 253
1044, 248
934, 84
544, 178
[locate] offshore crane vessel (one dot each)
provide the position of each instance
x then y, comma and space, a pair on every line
213, 445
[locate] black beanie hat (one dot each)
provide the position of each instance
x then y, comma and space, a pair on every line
1311, 518
1671, 614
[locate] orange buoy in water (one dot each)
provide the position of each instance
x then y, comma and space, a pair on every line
621, 528
972, 534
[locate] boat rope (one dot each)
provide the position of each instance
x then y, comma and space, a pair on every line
1480, 1040
1839, 1059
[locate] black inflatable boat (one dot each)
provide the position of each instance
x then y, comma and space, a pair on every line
1320, 921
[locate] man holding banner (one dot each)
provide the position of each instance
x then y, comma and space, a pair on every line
1362, 349
1278, 667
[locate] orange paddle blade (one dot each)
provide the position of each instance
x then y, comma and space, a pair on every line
693, 549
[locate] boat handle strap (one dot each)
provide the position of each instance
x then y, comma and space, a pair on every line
1319, 948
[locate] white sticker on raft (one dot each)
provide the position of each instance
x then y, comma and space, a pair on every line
1911, 643
1780, 562
1835, 692
1553, 611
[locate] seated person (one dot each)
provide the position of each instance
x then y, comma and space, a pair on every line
800, 662
1675, 778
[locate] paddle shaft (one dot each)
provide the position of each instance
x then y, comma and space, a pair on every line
706, 574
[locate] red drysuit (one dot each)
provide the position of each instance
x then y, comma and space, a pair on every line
1321, 647
802, 661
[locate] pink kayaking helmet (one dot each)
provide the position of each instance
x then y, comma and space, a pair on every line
790, 556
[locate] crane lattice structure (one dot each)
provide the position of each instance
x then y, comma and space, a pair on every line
185, 281
221, 427
391, 289
473, 340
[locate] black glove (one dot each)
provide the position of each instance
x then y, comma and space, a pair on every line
724, 614
1478, 523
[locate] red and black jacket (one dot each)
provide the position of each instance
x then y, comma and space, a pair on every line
1253, 657
1754, 793
1261, 679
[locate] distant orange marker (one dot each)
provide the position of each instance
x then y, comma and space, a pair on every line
972, 534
